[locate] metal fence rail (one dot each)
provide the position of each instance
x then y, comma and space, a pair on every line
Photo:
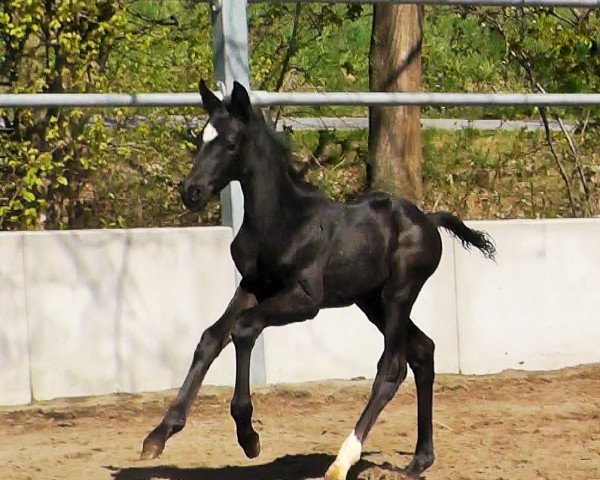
491, 3
425, 98
261, 98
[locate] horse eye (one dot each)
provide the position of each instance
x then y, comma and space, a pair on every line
231, 146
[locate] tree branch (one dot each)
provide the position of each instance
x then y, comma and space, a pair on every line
576, 156
559, 163
292, 48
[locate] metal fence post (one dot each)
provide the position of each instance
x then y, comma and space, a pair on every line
230, 60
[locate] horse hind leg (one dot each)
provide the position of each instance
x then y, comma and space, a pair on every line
391, 372
420, 355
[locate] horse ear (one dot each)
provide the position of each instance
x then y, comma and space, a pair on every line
240, 105
210, 102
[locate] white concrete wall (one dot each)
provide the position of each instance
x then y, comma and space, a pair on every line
72, 289
178, 282
14, 358
538, 308
101, 311
91, 312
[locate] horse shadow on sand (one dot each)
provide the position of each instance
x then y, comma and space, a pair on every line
289, 467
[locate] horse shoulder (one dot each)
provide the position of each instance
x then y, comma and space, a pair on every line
244, 252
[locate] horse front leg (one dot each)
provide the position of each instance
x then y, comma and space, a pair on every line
244, 336
291, 305
213, 341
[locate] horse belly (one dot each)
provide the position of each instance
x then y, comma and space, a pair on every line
355, 270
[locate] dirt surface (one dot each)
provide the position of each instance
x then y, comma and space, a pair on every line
511, 426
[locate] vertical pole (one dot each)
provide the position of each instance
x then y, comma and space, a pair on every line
230, 60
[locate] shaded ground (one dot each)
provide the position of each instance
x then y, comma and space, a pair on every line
511, 426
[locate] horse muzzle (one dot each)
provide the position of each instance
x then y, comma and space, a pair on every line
194, 197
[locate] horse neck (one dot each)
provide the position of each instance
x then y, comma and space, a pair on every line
270, 193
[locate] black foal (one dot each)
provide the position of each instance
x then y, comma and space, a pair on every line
297, 252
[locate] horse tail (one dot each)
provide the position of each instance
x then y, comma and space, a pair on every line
469, 237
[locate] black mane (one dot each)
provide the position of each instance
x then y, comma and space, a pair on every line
267, 139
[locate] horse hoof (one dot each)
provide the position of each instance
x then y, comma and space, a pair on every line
335, 472
151, 448
419, 464
252, 446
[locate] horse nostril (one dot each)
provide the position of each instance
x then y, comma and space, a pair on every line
194, 193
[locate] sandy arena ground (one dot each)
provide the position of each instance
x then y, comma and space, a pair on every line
529, 426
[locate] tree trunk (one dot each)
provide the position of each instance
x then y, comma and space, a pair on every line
395, 156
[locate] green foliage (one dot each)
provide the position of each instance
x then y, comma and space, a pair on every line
556, 50
477, 174
62, 168
48, 158
138, 187
502, 174
308, 47
167, 47
484, 49
476, 62
46, 155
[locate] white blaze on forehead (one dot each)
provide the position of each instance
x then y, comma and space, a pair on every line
209, 133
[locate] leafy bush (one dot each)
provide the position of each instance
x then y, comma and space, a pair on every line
48, 155
64, 168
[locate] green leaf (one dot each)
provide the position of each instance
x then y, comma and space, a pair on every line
28, 196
